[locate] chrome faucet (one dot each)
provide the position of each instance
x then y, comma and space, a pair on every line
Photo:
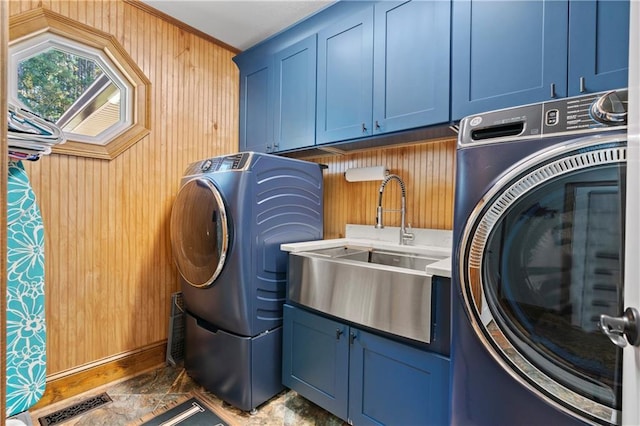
404, 235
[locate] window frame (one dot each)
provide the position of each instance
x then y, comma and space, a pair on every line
31, 27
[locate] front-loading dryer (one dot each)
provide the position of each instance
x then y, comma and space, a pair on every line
228, 220
538, 257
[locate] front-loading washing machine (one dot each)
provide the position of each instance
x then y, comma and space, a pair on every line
228, 220
538, 257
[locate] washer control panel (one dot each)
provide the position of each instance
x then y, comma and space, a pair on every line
586, 112
593, 112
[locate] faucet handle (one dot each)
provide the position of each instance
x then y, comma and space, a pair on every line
407, 235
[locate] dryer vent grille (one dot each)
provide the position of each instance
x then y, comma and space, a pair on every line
175, 342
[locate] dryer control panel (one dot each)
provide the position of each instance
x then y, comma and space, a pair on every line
580, 114
239, 161
227, 162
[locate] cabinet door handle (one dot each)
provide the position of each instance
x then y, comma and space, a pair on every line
339, 333
276, 146
377, 125
364, 128
352, 337
268, 148
553, 90
583, 87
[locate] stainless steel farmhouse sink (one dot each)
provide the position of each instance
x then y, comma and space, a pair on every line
398, 260
382, 289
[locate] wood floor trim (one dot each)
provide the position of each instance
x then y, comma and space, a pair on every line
73, 382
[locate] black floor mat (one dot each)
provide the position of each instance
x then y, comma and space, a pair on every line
190, 413
74, 410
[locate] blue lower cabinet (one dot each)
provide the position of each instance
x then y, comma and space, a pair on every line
361, 377
316, 359
395, 384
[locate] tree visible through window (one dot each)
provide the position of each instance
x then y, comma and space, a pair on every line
81, 79
50, 82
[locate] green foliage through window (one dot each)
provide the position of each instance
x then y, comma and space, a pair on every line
50, 82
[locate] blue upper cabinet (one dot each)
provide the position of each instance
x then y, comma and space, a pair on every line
507, 53
599, 45
362, 68
384, 69
519, 52
345, 78
278, 99
411, 65
295, 95
256, 118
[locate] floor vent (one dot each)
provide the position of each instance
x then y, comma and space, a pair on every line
175, 341
74, 410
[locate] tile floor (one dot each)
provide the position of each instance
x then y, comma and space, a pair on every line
135, 397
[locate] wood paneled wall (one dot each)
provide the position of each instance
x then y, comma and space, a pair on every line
109, 270
427, 170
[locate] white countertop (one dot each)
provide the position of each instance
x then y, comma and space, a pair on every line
426, 242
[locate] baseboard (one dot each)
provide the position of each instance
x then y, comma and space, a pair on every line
70, 383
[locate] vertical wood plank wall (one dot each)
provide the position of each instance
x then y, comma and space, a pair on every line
109, 270
427, 170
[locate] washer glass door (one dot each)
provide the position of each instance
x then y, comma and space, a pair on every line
542, 259
199, 232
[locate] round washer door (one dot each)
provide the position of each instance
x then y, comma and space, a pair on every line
199, 232
541, 259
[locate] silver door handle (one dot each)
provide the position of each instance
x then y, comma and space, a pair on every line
623, 329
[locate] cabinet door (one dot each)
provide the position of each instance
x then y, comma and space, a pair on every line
507, 53
345, 78
411, 65
295, 95
393, 383
316, 359
256, 118
599, 45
